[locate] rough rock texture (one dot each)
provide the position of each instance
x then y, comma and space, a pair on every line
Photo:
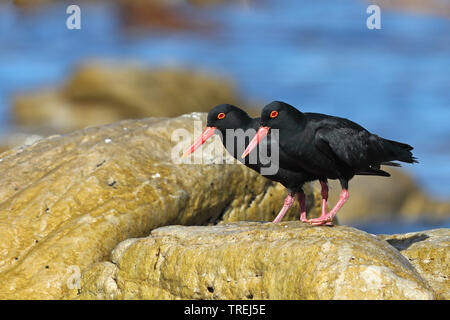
100, 93
428, 252
67, 201
398, 196
251, 260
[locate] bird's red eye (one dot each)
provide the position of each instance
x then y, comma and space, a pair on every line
221, 116
274, 114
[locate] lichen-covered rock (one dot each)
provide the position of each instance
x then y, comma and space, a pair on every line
398, 196
428, 252
100, 93
67, 201
251, 260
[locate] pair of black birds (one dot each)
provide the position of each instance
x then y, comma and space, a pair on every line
311, 146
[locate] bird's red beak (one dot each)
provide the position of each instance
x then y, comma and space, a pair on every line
208, 132
262, 132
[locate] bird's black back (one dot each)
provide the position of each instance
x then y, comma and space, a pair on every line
340, 148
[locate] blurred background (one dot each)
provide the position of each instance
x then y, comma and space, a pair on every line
142, 58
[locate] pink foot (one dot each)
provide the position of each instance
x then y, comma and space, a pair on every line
323, 216
303, 217
320, 221
328, 218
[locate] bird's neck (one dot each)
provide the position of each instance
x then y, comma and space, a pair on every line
292, 130
296, 124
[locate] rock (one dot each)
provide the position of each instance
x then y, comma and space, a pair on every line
397, 196
163, 15
66, 201
21, 137
428, 252
251, 260
207, 3
27, 4
99, 94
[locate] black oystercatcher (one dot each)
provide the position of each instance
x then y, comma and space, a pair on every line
290, 175
328, 146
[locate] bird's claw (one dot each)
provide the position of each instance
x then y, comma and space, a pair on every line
327, 221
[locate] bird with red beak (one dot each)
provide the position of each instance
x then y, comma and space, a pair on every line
225, 117
331, 147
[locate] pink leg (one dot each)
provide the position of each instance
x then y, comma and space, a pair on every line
287, 204
324, 197
329, 217
302, 201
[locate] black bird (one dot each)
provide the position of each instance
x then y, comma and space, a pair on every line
331, 147
226, 117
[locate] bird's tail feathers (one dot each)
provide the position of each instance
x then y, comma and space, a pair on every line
373, 172
397, 151
391, 164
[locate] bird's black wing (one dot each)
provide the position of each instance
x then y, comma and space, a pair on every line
352, 146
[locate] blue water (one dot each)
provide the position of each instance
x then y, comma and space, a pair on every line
399, 226
318, 56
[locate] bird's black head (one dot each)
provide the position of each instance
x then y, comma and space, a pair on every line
226, 116
275, 115
221, 117
278, 114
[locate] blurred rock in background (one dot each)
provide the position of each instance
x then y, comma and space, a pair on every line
167, 15
99, 94
153, 8
148, 3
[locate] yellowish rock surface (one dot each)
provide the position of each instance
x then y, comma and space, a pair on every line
68, 200
429, 252
251, 260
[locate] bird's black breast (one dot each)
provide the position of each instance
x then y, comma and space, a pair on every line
289, 173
